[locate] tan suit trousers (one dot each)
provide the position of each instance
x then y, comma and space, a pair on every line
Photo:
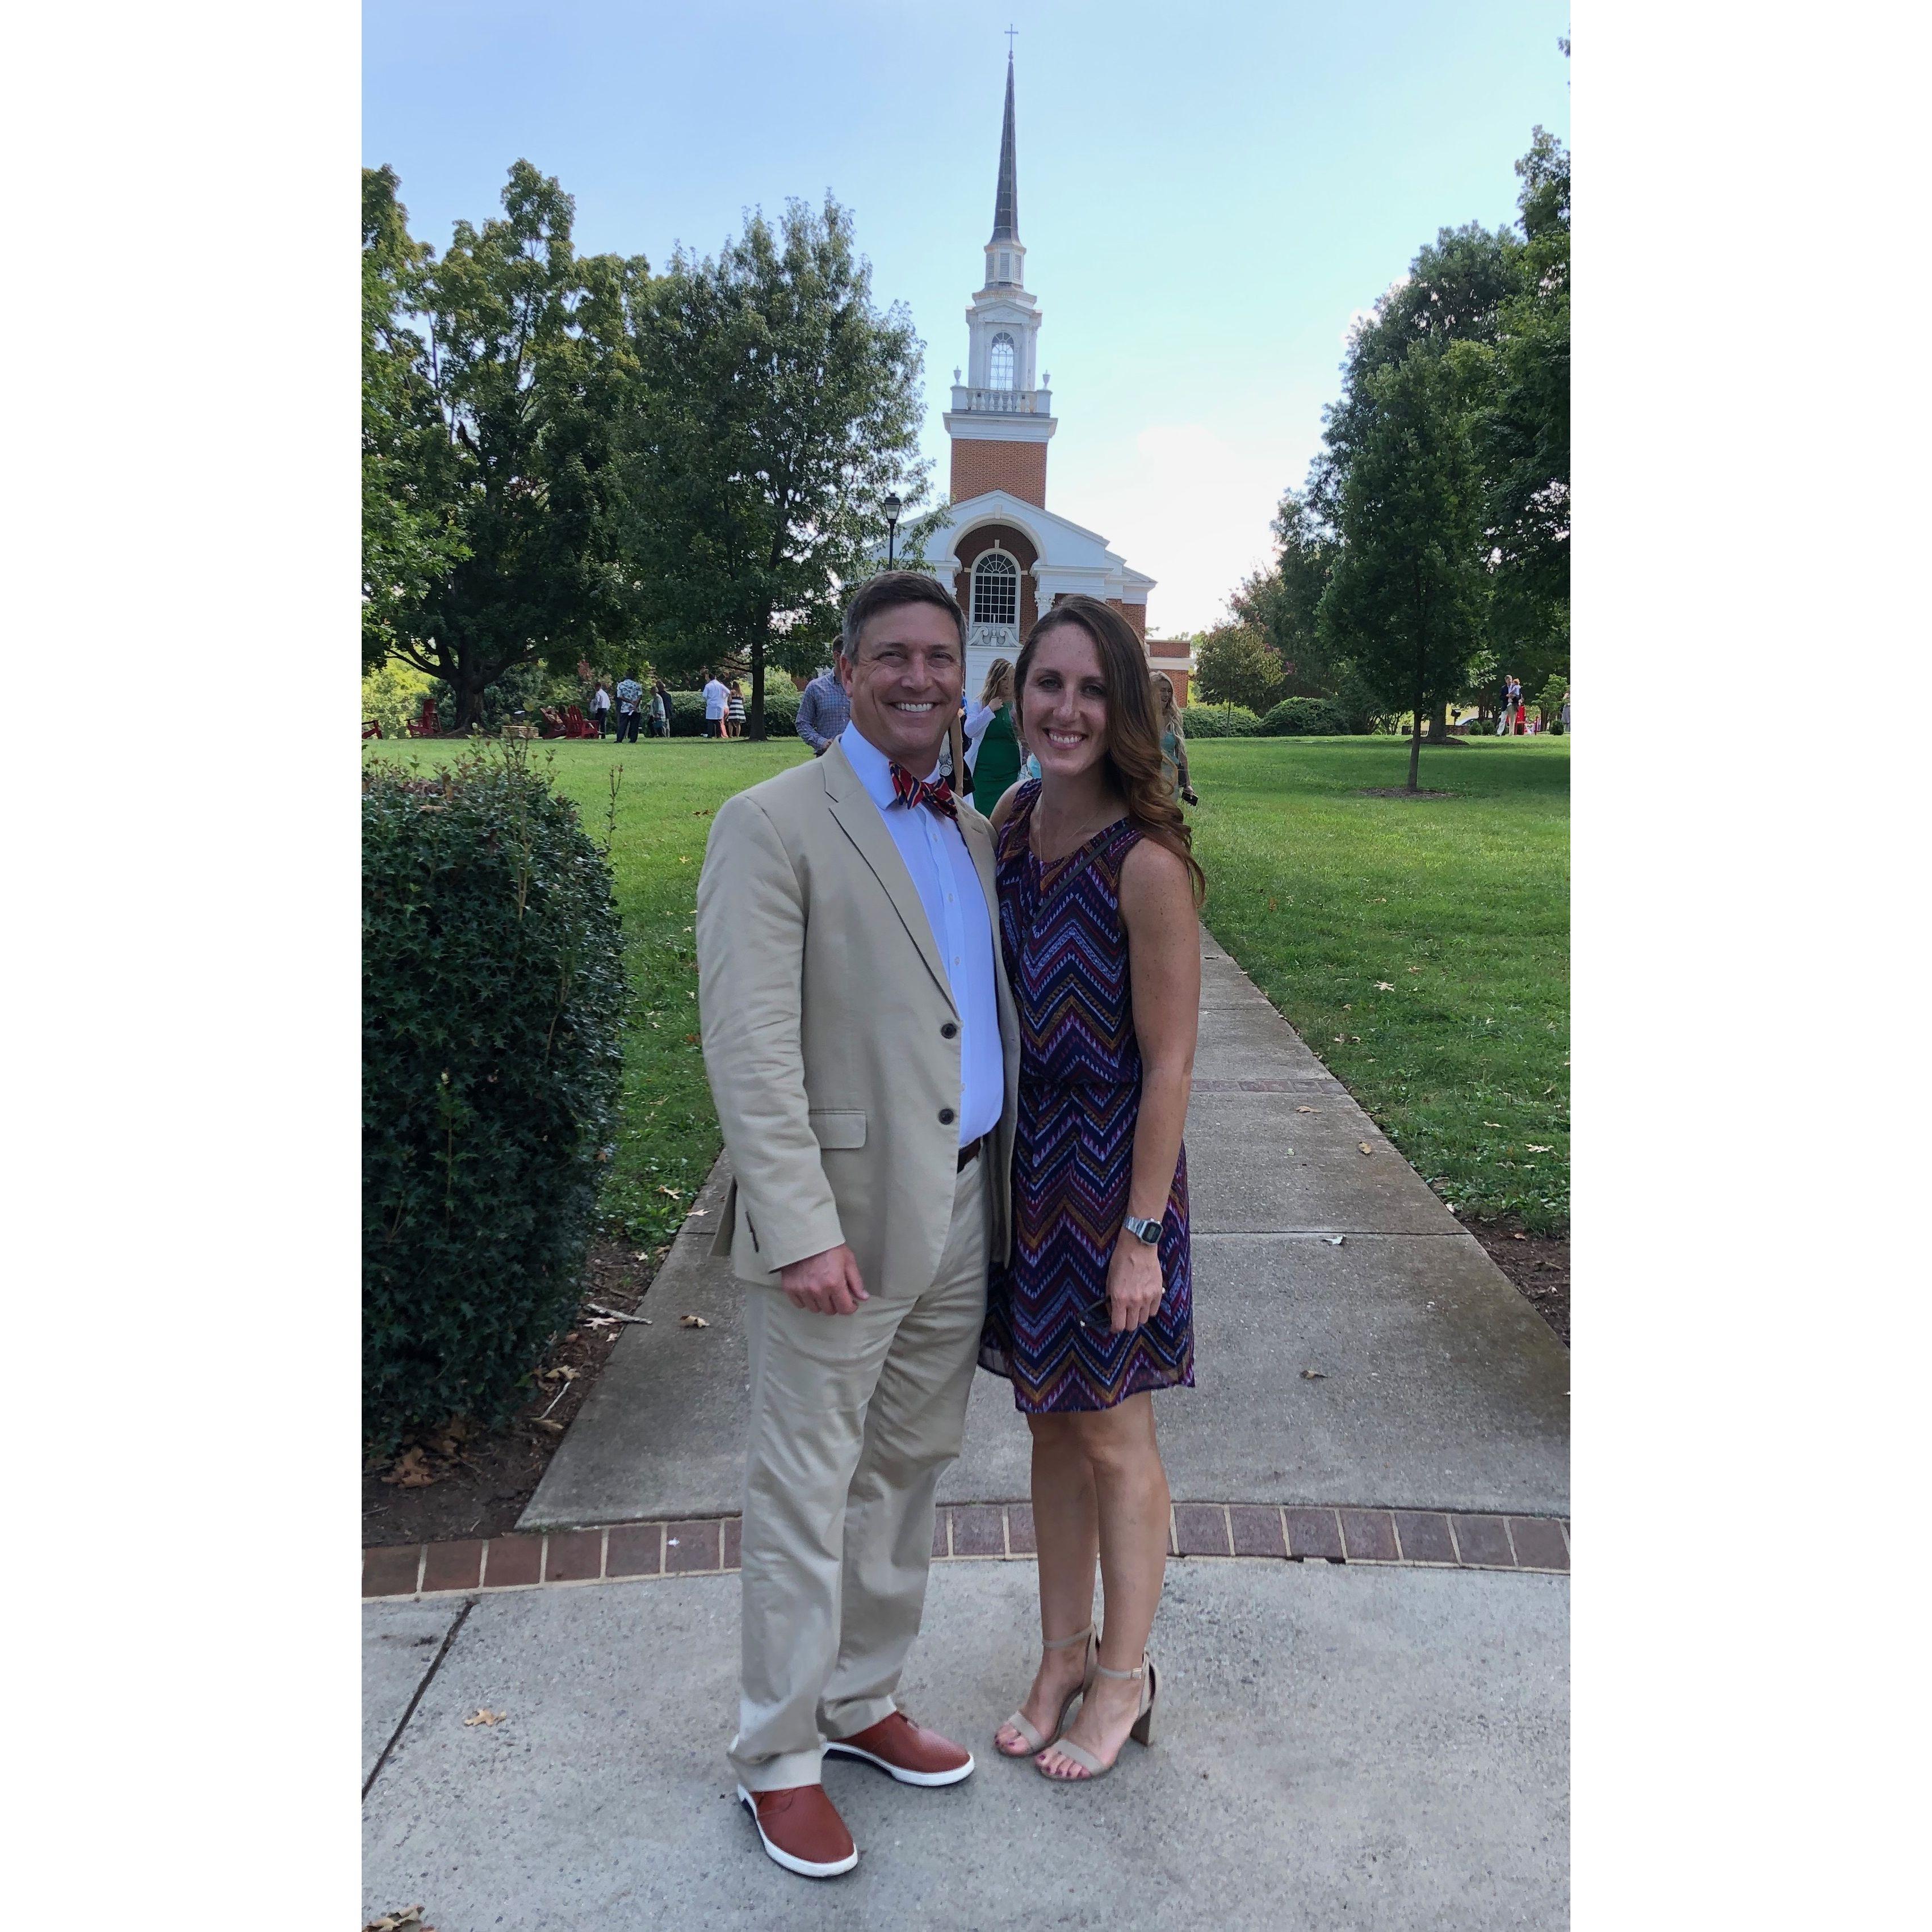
854, 1419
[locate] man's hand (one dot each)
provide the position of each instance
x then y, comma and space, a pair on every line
1134, 1284
824, 1284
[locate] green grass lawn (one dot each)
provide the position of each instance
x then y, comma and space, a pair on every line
1420, 947
1319, 892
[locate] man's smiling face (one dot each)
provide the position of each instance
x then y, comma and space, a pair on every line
905, 687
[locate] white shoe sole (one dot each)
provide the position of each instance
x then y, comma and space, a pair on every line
924, 1777
803, 1866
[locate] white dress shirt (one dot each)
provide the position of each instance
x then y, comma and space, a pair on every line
948, 884
715, 699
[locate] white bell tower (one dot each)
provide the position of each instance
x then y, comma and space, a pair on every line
1002, 400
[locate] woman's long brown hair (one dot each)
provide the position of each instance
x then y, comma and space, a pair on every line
1132, 752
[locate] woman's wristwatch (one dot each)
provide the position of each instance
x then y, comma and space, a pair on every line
1148, 1231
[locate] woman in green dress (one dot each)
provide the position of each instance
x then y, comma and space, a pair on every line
996, 760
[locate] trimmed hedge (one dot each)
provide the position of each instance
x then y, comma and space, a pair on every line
1305, 717
1219, 721
493, 999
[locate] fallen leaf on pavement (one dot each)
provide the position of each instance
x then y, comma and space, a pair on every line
692, 1322
1365, 1147
486, 1718
1313, 1375
1308, 1110
1334, 1240
409, 1919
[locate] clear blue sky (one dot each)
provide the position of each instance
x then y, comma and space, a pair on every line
1207, 194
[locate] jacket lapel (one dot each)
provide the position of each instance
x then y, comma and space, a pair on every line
858, 818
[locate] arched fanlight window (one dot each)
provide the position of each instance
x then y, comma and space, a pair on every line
996, 589
1000, 363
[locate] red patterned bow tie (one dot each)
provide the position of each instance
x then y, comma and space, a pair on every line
910, 790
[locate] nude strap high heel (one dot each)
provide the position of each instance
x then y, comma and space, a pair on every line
1142, 1732
1035, 1742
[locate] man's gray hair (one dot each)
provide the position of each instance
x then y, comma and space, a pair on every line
887, 592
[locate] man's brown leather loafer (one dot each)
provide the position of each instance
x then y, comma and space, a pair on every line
801, 1829
912, 1753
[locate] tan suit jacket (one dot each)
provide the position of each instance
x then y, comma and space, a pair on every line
831, 1039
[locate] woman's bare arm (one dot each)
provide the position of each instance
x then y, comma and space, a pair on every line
1164, 960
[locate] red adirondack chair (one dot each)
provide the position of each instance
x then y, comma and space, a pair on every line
576, 725
372, 727
425, 725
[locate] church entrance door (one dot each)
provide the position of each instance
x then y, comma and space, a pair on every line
993, 623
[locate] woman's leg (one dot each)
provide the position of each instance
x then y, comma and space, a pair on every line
1066, 1534
1130, 1492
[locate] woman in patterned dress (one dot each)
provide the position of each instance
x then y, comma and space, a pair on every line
1093, 1311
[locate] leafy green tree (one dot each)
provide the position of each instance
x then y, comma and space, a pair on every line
410, 533
1233, 664
495, 421
776, 409
1281, 603
1405, 601
1524, 430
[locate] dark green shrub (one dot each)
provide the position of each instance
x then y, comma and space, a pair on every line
1305, 717
1219, 721
493, 995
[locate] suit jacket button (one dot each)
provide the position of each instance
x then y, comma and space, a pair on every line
946, 1116
950, 1030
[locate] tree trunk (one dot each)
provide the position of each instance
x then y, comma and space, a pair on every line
1438, 725
469, 702
1415, 748
754, 711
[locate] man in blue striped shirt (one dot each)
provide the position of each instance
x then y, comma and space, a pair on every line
823, 711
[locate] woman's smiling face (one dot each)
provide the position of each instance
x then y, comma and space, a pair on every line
1064, 707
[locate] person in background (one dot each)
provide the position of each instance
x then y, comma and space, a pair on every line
1566, 714
1522, 712
823, 711
660, 709
630, 697
717, 703
996, 749
734, 712
600, 708
1173, 739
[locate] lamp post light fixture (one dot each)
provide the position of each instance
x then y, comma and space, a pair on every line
892, 506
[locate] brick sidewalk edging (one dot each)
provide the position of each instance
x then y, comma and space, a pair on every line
986, 1532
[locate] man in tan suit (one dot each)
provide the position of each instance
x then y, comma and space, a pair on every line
863, 1052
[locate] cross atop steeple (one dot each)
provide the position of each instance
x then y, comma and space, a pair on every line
1007, 196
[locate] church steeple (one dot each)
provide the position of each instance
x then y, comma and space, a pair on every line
1006, 254
1002, 415
1007, 195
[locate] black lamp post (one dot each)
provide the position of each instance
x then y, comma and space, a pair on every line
891, 507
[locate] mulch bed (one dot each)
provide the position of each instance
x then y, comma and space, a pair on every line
1537, 1265
456, 1482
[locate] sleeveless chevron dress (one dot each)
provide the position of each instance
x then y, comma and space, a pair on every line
1080, 1096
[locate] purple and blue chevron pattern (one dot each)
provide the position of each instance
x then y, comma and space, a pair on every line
1080, 1096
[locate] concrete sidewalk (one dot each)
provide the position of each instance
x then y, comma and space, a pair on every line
1338, 1745
1334, 1747
1439, 1386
